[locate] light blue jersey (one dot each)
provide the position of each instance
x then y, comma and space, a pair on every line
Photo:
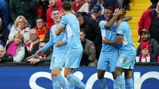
126, 46
75, 48
109, 53
127, 50
110, 34
59, 53
73, 30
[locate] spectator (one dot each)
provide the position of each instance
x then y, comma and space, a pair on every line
97, 10
43, 32
101, 4
120, 3
4, 12
27, 8
145, 52
4, 33
153, 4
123, 4
90, 25
89, 52
4, 57
43, 57
53, 4
16, 48
145, 37
1, 43
126, 4
33, 44
149, 20
106, 3
41, 8
85, 7
20, 26
76, 5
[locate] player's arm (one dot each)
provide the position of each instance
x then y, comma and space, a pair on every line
60, 43
118, 40
59, 29
111, 21
126, 18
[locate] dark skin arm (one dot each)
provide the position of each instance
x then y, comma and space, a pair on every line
125, 18
111, 21
117, 13
118, 40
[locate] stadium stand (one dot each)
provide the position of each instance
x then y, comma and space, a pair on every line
137, 7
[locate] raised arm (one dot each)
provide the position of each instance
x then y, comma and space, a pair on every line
114, 18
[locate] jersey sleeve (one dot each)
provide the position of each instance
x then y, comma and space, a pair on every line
102, 25
64, 20
102, 28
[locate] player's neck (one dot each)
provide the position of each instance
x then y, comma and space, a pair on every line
67, 12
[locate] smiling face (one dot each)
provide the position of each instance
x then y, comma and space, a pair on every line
17, 40
108, 14
55, 15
